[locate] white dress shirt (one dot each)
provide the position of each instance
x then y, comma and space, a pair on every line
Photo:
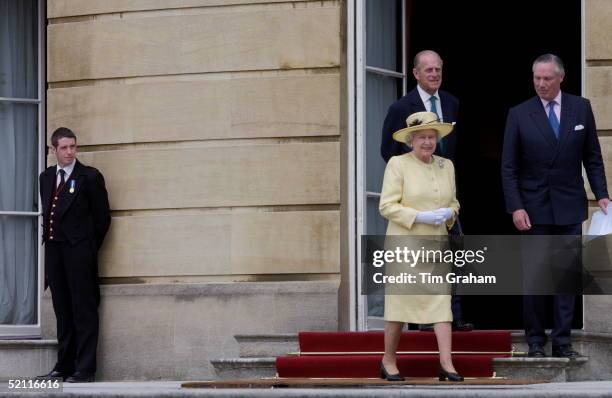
67, 169
425, 96
557, 106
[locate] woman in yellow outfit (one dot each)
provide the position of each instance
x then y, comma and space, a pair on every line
418, 198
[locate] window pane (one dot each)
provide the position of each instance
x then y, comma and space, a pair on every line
18, 270
18, 48
377, 225
381, 92
376, 305
18, 157
383, 34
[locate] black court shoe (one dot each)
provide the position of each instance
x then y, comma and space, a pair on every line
444, 375
386, 376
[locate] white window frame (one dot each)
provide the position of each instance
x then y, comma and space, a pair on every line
357, 201
34, 330
583, 93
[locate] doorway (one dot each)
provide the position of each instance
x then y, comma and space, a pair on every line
488, 79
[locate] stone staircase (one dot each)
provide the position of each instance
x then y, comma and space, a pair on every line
258, 353
595, 364
257, 356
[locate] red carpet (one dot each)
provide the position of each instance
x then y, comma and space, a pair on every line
353, 364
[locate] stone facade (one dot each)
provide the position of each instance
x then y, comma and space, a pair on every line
220, 126
216, 124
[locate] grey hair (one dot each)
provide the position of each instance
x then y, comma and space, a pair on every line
417, 57
547, 58
411, 135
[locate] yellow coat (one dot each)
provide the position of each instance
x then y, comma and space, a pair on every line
410, 186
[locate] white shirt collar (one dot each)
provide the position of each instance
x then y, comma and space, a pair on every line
425, 96
557, 100
68, 169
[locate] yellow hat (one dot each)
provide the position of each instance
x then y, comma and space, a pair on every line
422, 121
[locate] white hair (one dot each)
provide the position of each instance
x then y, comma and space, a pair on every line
410, 136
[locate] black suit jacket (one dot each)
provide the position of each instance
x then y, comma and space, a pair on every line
543, 174
407, 105
83, 214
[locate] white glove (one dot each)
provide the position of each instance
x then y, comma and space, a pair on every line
446, 212
434, 217
429, 217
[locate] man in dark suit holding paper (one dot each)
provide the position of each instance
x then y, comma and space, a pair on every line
76, 217
547, 140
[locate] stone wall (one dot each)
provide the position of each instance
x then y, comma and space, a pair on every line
598, 88
217, 126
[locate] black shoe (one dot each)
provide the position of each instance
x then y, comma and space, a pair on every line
81, 377
564, 351
426, 327
53, 375
536, 351
463, 326
444, 375
386, 376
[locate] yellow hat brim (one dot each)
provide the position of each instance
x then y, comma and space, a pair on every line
443, 130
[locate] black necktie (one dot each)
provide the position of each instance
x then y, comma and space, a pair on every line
62, 181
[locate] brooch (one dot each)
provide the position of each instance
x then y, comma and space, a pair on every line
441, 163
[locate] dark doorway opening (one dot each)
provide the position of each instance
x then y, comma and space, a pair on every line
488, 49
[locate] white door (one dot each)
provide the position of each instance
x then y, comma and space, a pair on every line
380, 68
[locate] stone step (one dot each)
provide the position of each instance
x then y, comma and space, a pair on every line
172, 389
258, 352
550, 369
266, 345
244, 368
597, 347
26, 358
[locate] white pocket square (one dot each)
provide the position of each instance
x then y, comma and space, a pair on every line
579, 127
453, 123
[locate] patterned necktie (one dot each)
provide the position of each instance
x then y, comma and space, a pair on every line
552, 118
434, 109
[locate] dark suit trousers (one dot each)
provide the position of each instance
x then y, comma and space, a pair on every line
534, 307
72, 278
455, 299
